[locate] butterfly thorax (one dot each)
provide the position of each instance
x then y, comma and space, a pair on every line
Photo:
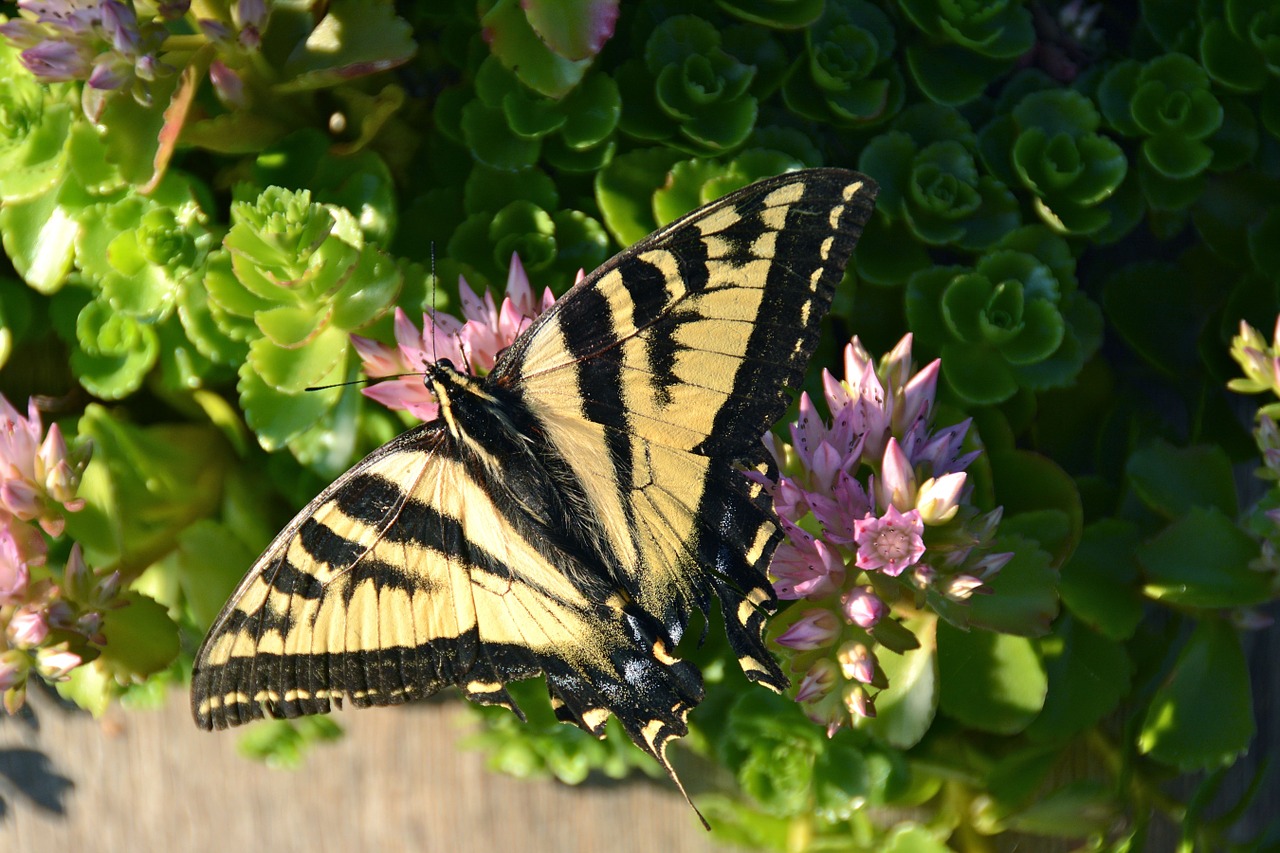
501, 444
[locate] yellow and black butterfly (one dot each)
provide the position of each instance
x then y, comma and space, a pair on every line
567, 513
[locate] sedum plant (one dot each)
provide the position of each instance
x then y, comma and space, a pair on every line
1025, 564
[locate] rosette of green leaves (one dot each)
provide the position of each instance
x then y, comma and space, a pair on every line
1014, 320
509, 126
688, 92
1168, 104
1049, 144
139, 253
964, 44
1240, 47
293, 280
846, 75
521, 213
1237, 41
932, 190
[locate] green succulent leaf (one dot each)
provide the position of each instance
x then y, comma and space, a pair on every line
1088, 675
352, 39
39, 236
906, 709
991, 682
1202, 560
1024, 596
521, 48
1171, 480
1209, 681
577, 29
142, 488
141, 639
278, 417
1100, 583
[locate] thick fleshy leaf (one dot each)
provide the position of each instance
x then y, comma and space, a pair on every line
369, 293
770, 13
492, 141
1027, 482
291, 370
905, 710
90, 688
277, 417
353, 39
1088, 676
1201, 717
520, 48
1024, 595
1099, 582
1202, 560
1171, 480
39, 237
115, 351
978, 374
36, 166
625, 187
574, 29
208, 563
141, 638
1154, 308
991, 682
949, 74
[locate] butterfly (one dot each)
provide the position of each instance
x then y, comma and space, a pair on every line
566, 514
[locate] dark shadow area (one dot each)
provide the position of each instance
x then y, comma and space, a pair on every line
31, 773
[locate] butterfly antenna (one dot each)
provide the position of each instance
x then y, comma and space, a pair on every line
371, 380
433, 302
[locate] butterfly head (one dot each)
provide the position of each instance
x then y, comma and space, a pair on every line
456, 392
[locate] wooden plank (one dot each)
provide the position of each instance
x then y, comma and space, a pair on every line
149, 780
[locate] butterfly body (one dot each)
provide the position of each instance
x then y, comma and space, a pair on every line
567, 513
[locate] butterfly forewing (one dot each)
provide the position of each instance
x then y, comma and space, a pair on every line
662, 370
578, 506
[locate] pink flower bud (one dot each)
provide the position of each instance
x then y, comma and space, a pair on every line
815, 629
821, 678
917, 398
897, 478
227, 85
924, 575
961, 587
77, 579
55, 663
858, 701
862, 607
856, 662
896, 366
13, 667
27, 627
939, 499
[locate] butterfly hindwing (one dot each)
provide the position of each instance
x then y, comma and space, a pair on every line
570, 511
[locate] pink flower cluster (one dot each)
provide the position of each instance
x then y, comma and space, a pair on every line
473, 345
39, 477
873, 503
